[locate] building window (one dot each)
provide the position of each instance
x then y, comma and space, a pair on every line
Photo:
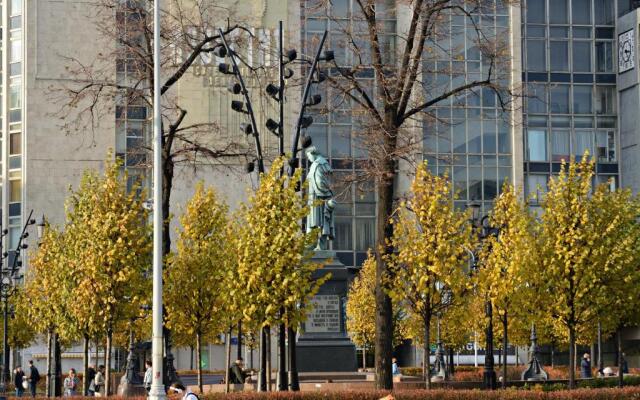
559, 55
536, 60
558, 13
606, 146
604, 12
581, 56
582, 103
560, 148
537, 142
536, 11
583, 141
604, 56
537, 99
581, 12
605, 100
536, 187
559, 99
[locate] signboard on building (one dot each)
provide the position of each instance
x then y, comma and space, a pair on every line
626, 51
325, 315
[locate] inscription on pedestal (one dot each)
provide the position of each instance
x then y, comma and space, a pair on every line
325, 315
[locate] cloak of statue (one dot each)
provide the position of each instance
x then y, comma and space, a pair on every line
320, 198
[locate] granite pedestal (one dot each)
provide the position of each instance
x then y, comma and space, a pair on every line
323, 345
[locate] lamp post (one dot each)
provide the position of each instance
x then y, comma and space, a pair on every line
481, 224
157, 391
10, 276
131, 380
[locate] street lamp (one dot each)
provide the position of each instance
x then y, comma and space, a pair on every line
131, 379
481, 224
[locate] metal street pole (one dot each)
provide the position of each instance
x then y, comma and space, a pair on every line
157, 391
489, 374
6, 375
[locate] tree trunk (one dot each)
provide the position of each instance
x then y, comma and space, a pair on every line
451, 362
239, 349
364, 358
85, 365
95, 359
553, 353
600, 363
227, 362
282, 385
107, 366
269, 366
505, 343
427, 352
572, 359
620, 358
384, 232
191, 349
199, 355
49, 363
57, 361
262, 361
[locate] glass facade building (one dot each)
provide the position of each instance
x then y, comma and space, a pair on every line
571, 99
468, 137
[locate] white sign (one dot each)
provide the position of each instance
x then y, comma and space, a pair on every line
325, 315
626, 51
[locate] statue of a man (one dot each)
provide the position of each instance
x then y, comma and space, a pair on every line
320, 199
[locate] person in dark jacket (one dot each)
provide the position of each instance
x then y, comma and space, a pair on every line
34, 378
585, 366
237, 374
91, 375
625, 365
18, 380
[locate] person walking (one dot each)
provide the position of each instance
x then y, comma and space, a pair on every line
34, 378
99, 381
395, 371
71, 383
18, 380
585, 366
91, 375
148, 376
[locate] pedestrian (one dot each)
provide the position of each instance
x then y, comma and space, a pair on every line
34, 378
585, 366
91, 375
99, 381
394, 367
18, 380
71, 383
237, 375
148, 376
186, 393
625, 366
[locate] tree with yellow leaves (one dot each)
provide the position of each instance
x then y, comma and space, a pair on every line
361, 310
275, 275
200, 272
47, 310
589, 251
507, 259
21, 331
109, 250
431, 239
